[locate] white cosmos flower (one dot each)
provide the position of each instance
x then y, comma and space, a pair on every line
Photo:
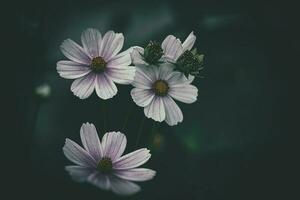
172, 48
97, 65
155, 88
101, 162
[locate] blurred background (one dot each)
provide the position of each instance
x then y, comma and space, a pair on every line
232, 143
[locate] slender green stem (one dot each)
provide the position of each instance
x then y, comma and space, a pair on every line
140, 131
127, 117
104, 113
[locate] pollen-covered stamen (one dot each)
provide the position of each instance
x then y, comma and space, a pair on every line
98, 64
160, 88
105, 165
153, 52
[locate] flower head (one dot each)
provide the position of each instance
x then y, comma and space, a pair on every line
97, 65
101, 162
155, 88
174, 51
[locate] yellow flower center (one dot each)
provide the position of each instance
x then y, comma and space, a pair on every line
160, 88
98, 64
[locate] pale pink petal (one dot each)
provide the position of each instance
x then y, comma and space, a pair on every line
184, 92
142, 97
121, 74
156, 109
136, 56
132, 160
137, 174
75, 52
172, 48
91, 41
123, 187
99, 180
90, 140
145, 76
164, 70
79, 173
111, 44
84, 87
71, 70
173, 112
105, 87
178, 78
77, 154
113, 144
117, 61
189, 42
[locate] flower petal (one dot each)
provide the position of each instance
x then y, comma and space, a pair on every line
189, 42
142, 97
71, 70
156, 109
114, 144
75, 52
90, 140
164, 70
123, 187
173, 112
105, 87
117, 61
91, 41
145, 76
111, 44
99, 180
132, 160
79, 173
84, 86
184, 92
172, 48
137, 174
136, 56
178, 78
77, 154
121, 74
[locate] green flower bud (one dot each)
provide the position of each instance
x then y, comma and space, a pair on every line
153, 52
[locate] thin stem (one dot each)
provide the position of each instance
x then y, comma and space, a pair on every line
104, 110
127, 117
140, 131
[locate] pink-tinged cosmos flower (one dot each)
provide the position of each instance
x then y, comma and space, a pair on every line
101, 162
172, 49
155, 88
97, 65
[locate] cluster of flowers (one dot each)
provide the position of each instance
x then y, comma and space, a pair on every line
158, 73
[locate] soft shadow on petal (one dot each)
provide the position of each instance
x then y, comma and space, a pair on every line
90, 140
91, 41
156, 109
105, 87
75, 52
71, 70
185, 93
172, 48
164, 70
178, 78
113, 144
111, 44
137, 174
100, 180
123, 187
79, 173
84, 87
133, 159
136, 56
122, 74
189, 42
145, 76
142, 97
173, 112
77, 154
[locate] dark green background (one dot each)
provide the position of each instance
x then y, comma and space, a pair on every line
231, 144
